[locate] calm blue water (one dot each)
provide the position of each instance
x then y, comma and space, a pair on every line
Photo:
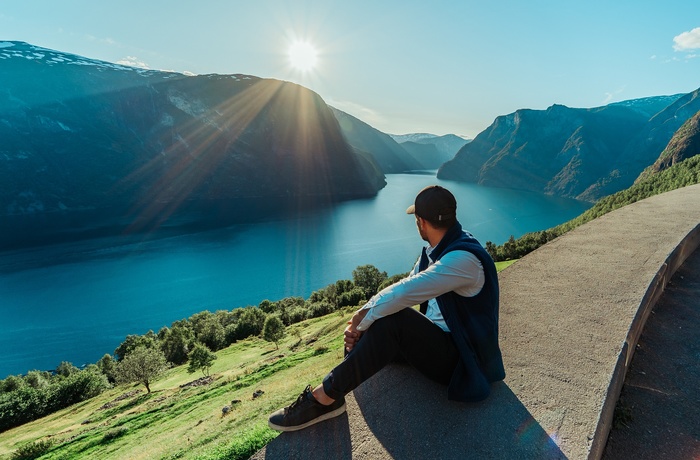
76, 302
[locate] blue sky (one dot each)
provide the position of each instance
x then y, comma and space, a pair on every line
401, 66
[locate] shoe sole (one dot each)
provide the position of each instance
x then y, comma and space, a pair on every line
320, 418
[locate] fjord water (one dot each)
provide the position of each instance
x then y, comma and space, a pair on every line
77, 301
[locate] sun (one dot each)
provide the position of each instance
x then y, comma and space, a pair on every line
303, 55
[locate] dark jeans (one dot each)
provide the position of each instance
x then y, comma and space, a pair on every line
406, 336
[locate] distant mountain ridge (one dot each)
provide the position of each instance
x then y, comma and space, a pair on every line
577, 153
428, 152
388, 154
91, 145
446, 146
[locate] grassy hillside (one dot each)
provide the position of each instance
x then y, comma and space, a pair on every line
182, 417
180, 421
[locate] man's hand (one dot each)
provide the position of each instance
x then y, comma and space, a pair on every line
352, 335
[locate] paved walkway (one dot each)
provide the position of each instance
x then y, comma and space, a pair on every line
658, 414
571, 315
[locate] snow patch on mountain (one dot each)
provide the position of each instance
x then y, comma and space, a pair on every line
412, 137
9, 50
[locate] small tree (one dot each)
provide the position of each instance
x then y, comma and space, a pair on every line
142, 365
369, 278
273, 330
201, 358
107, 366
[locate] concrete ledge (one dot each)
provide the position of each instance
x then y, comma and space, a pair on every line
571, 315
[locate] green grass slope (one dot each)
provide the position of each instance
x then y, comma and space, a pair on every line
177, 420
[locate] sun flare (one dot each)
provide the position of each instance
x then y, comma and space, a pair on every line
303, 55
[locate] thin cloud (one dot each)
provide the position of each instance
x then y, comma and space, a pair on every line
132, 61
609, 96
687, 40
107, 40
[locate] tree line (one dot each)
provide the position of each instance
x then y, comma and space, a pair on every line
682, 174
192, 341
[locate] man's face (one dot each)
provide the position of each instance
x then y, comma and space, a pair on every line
420, 223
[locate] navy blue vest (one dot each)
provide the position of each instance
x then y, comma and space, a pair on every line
473, 322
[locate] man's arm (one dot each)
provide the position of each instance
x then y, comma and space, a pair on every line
459, 271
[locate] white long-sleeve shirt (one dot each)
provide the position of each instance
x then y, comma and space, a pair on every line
458, 271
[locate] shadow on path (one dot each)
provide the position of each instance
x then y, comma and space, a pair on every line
400, 414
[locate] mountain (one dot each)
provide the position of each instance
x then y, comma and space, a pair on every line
448, 145
646, 145
570, 152
388, 154
426, 154
90, 147
684, 144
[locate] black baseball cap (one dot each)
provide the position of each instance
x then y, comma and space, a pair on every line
435, 204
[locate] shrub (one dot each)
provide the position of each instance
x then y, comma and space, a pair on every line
114, 433
212, 333
352, 297
79, 387
33, 450
12, 383
27, 403
38, 379
318, 309
231, 333
250, 323
134, 341
21, 406
298, 314
176, 343
65, 369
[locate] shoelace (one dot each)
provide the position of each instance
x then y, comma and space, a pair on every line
299, 400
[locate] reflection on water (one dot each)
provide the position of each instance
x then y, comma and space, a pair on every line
78, 301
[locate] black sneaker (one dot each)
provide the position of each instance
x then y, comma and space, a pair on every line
303, 412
